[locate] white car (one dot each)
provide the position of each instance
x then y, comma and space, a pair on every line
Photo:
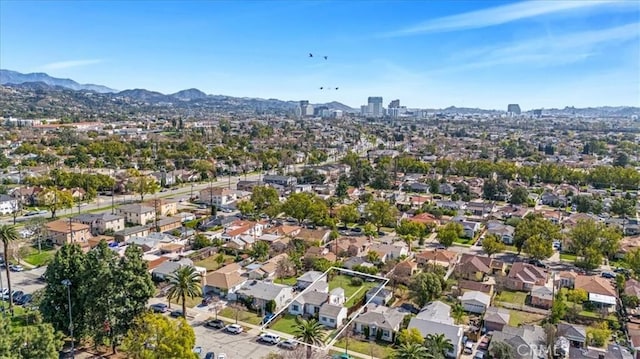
288, 344
234, 329
269, 338
222, 356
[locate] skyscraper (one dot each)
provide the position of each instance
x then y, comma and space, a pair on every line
394, 104
375, 107
513, 109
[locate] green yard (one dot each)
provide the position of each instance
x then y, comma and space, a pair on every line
352, 293
288, 281
568, 257
243, 316
512, 297
39, 259
464, 241
518, 317
211, 264
375, 349
191, 302
284, 324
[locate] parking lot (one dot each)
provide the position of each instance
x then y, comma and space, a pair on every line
27, 281
238, 346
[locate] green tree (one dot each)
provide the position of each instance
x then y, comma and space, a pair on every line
142, 184
535, 224
247, 208
449, 233
592, 241
491, 245
342, 187
559, 308
425, 287
185, 282
201, 241
260, 250
537, 247
411, 351
266, 199
303, 206
373, 257
381, 213
154, 336
37, 340
598, 334
409, 336
457, 313
348, 214
623, 207
519, 195
8, 234
55, 199
309, 332
501, 350
438, 345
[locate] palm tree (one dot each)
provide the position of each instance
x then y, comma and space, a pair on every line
185, 282
438, 345
457, 313
8, 234
309, 332
411, 351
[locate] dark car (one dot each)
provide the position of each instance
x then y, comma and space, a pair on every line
410, 308
17, 295
159, 308
25, 299
207, 300
216, 324
608, 275
537, 263
210, 355
176, 313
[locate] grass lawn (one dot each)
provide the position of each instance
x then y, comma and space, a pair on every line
284, 324
368, 348
210, 263
512, 249
288, 281
21, 316
39, 259
243, 316
568, 257
344, 282
191, 302
512, 297
465, 241
518, 317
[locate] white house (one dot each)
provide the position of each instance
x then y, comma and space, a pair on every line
475, 302
316, 300
435, 318
8, 205
309, 277
381, 319
264, 292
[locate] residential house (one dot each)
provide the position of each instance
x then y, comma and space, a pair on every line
469, 285
285, 181
446, 188
8, 205
379, 322
541, 296
474, 267
450, 205
527, 341
101, 223
242, 234
137, 214
435, 318
248, 186
600, 290
166, 268
163, 207
475, 302
524, 276
378, 296
425, 218
496, 318
168, 224
576, 334
317, 301
632, 288
553, 200
565, 279
225, 281
310, 277
309, 302
320, 252
613, 351
390, 251
130, 232
318, 236
352, 262
417, 187
218, 196
469, 228
502, 231
480, 209
262, 292
267, 270
333, 315
351, 246
66, 232
440, 257
406, 268
27, 196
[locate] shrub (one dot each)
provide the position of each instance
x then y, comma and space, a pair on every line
356, 281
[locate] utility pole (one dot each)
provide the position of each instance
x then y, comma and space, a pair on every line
155, 206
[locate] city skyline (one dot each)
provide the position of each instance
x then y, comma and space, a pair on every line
431, 55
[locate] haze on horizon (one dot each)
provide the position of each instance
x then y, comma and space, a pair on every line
540, 54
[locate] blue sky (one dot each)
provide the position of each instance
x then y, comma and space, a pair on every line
427, 54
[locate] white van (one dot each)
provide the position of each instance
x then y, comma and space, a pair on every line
468, 347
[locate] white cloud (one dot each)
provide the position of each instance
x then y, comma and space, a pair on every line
70, 64
501, 15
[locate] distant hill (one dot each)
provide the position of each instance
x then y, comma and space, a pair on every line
613, 111
189, 95
13, 77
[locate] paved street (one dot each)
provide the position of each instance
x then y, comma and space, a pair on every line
27, 281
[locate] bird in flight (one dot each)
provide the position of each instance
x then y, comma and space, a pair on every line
325, 57
328, 88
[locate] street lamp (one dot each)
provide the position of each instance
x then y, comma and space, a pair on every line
67, 283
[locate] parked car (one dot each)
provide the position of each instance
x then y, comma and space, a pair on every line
222, 356
207, 300
176, 313
479, 355
210, 355
17, 295
537, 263
16, 268
288, 344
468, 347
197, 350
269, 338
267, 318
234, 329
159, 308
608, 275
216, 324
25, 299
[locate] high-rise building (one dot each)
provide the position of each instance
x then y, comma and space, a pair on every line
537, 113
513, 109
375, 107
305, 109
394, 104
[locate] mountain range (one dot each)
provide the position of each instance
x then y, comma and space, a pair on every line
195, 99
